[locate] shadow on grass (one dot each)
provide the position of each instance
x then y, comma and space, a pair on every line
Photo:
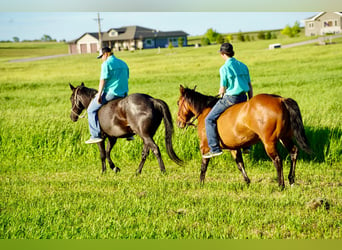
325, 143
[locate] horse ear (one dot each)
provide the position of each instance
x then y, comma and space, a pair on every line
195, 87
71, 87
181, 89
82, 84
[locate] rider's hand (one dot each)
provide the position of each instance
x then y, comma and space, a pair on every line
99, 100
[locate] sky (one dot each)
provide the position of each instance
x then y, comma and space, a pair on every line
69, 25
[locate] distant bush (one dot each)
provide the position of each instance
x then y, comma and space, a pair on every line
205, 41
241, 37
261, 35
219, 39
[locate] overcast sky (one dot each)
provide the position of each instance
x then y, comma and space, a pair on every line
71, 25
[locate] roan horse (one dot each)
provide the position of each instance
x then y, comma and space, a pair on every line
135, 114
266, 118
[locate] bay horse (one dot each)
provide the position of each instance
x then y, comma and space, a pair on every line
267, 118
137, 113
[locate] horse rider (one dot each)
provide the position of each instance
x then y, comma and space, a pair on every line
113, 84
235, 82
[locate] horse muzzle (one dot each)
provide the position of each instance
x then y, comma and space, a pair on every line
180, 124
73, 117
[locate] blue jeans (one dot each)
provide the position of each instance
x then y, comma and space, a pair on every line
94, 106
217, 110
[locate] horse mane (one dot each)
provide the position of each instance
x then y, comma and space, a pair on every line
198, 100
89, 92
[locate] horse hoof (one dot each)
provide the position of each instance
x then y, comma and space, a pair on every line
116, 170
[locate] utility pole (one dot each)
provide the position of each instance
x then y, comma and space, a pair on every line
98, 19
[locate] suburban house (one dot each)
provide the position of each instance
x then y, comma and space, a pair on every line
324, 23
127, 38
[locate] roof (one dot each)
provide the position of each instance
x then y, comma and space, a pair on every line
313, 18
133, 32
93, 34
138, 32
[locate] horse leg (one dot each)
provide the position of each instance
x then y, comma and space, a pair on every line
155, 149
101, 146
272, 152
205, 162
144, 155
110, 145
237, 155
293, 151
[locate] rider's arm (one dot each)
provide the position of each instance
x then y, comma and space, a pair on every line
222, 90
101, 86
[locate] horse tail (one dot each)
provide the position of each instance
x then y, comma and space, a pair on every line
164, 109
297, 124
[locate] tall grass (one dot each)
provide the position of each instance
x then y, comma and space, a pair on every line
50, 181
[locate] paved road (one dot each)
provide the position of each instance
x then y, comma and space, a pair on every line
310, 41
38, 58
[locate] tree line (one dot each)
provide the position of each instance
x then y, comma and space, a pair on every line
44, 38
212, 36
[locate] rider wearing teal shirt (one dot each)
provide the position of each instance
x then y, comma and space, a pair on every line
234, 77
116, 73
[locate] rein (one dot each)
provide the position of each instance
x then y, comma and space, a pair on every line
191, 123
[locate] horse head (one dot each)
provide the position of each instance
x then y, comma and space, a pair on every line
77, 105
185, 112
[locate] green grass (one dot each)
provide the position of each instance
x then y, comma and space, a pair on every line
51, 186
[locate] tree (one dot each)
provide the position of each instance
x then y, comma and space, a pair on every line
287, 31
180, 41
16, 39
296, 29
268, 35
211, 35
261, 35
229, 38
170, 46
46, 38
291, 31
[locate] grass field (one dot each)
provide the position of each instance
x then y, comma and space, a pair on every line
51, 186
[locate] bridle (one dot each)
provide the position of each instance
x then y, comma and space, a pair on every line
187, 123
76, 105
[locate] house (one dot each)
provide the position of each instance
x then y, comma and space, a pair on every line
324, 23
127, 38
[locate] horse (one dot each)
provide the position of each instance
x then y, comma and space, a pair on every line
137, 113
266, 118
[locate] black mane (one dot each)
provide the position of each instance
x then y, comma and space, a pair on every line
89, 92
198, 100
